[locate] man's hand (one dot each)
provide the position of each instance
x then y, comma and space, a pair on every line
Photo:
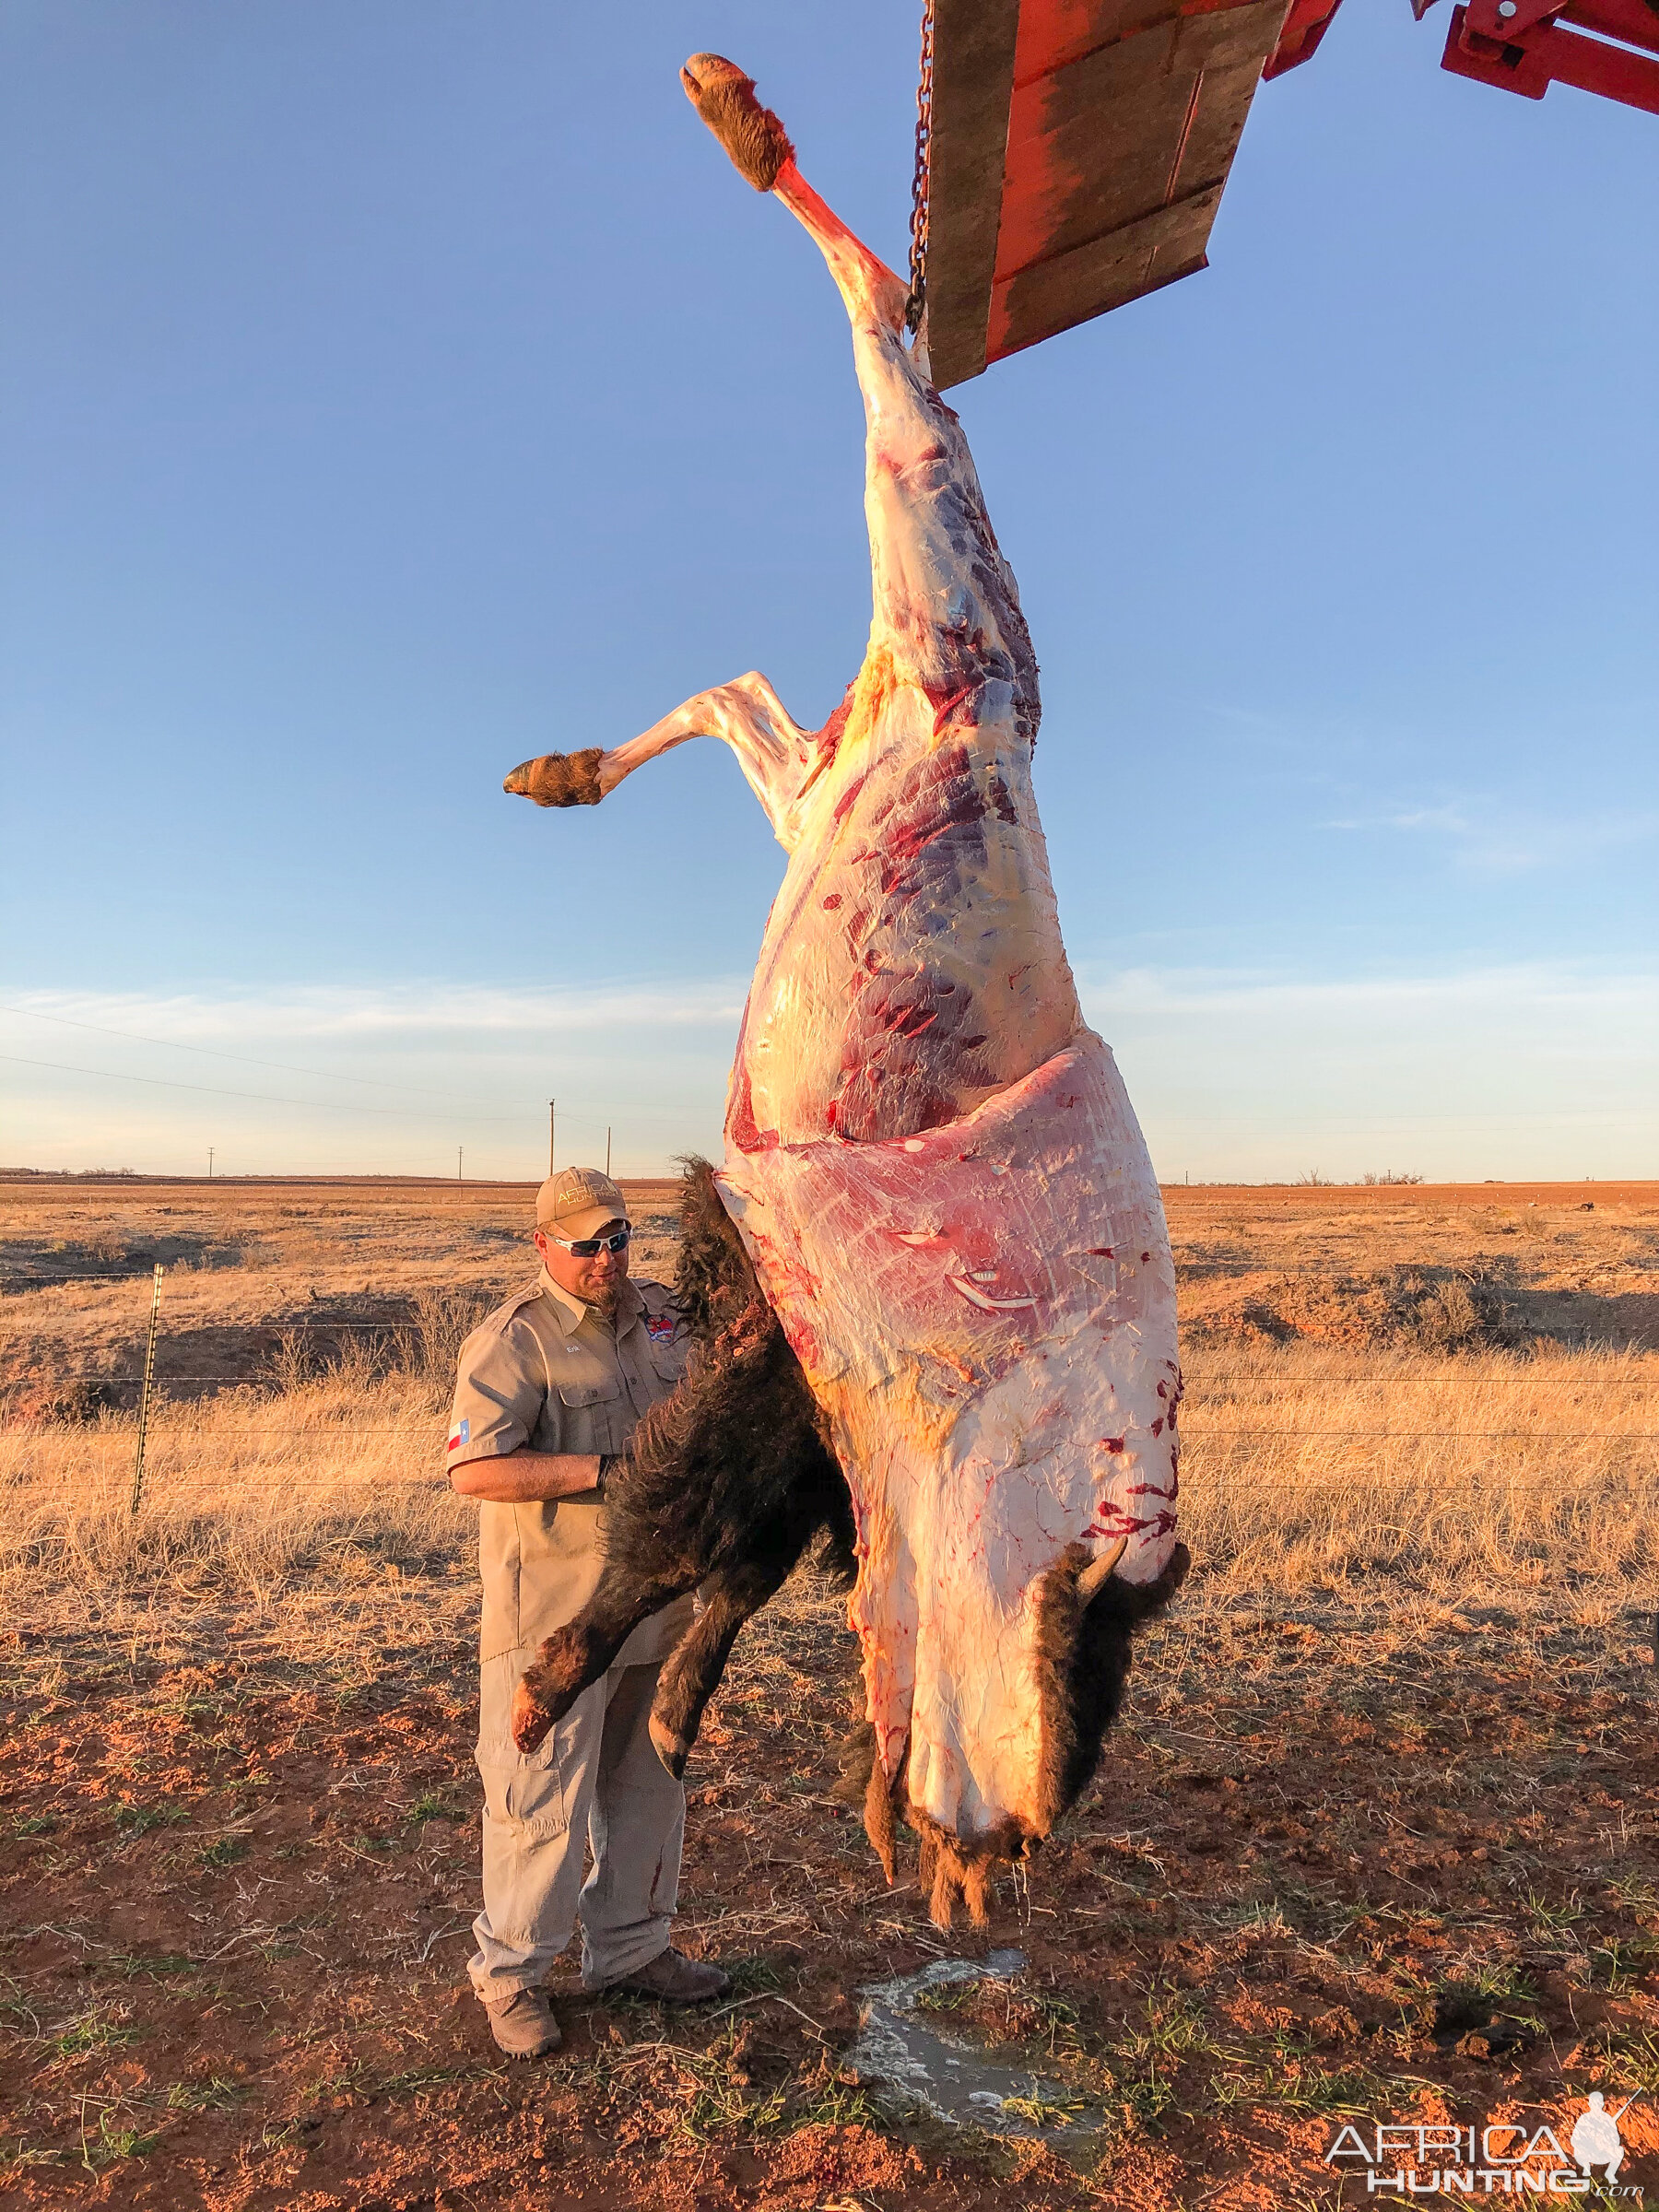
526, 1478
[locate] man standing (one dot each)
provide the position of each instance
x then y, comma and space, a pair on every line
549, 1391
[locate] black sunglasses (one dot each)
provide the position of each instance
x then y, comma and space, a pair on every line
588, 1248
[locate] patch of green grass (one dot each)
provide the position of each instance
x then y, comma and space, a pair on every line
424, 2078
1550, 1919
1341, 2089
947, 1996
1632, 2062
1634, 1892
718, 2108
752, 1977
159, 1968
138, 1819
835, 2103
225, 1853
432, 1807
112, 2144
1617, 1964
16, 2151
1146, 2098
102, 2029
1045, 2107
1501, 1979
216, 2094
35, 1824
1175, 2028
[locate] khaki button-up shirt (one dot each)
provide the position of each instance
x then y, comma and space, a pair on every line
547, 1370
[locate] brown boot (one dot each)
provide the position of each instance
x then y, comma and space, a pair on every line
523, 2025
673, 1979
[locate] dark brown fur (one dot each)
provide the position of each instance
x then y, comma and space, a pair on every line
729, 1484
1083, 1652
559, 778
1083, 1649
752, 135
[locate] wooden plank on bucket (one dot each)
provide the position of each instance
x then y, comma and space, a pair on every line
1079, 150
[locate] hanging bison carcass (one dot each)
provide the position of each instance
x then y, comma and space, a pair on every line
953, 1285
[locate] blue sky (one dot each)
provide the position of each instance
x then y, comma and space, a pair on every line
394, 392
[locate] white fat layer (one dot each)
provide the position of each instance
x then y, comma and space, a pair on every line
981, 1438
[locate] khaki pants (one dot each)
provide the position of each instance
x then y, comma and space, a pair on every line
596, 1783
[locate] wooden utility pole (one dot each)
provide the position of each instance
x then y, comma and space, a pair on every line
460, 1156
607, 1147
552, 1129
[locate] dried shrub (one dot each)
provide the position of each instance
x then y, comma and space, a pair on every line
1431, 1311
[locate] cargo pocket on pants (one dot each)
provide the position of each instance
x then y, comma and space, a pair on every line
527, 1800
522, 1790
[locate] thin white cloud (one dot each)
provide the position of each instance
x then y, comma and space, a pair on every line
1528, 1068
384, 1014
1506, 1069
1541, 987
1487, 837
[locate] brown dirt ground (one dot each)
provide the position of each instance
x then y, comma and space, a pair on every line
1322, 1872
1370, 1857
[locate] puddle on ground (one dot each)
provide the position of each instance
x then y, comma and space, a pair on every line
952, 2079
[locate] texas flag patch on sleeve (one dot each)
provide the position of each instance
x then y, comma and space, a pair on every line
460, 1435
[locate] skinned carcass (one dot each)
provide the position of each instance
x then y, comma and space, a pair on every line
950, 1282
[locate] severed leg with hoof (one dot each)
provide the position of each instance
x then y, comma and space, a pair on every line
574, 1657
692, 1673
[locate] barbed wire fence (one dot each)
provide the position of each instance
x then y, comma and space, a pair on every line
397, 1337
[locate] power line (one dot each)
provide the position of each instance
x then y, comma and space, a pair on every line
289, 1067
210, 1052
265, 1097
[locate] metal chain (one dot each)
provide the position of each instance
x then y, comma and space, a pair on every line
921, 178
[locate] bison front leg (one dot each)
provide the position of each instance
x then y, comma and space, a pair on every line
693, 1672
575, 1656
773, 751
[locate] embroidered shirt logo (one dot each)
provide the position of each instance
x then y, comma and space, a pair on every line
661, 1326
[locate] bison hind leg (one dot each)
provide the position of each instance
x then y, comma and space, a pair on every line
694, 1669
1084, 1647
752, 135
575, 1655
714, 1281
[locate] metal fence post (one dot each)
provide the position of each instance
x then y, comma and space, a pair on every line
143, 1395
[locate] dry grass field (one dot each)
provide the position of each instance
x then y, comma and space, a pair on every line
1379, 1838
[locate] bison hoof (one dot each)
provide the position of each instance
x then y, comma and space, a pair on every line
672, 1750
530, 1724
559, 778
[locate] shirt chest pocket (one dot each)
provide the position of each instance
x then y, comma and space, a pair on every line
669, 1355
592, 1413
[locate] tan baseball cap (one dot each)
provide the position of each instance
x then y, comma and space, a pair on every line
578, 1202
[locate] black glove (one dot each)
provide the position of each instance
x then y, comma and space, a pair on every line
609, 1461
